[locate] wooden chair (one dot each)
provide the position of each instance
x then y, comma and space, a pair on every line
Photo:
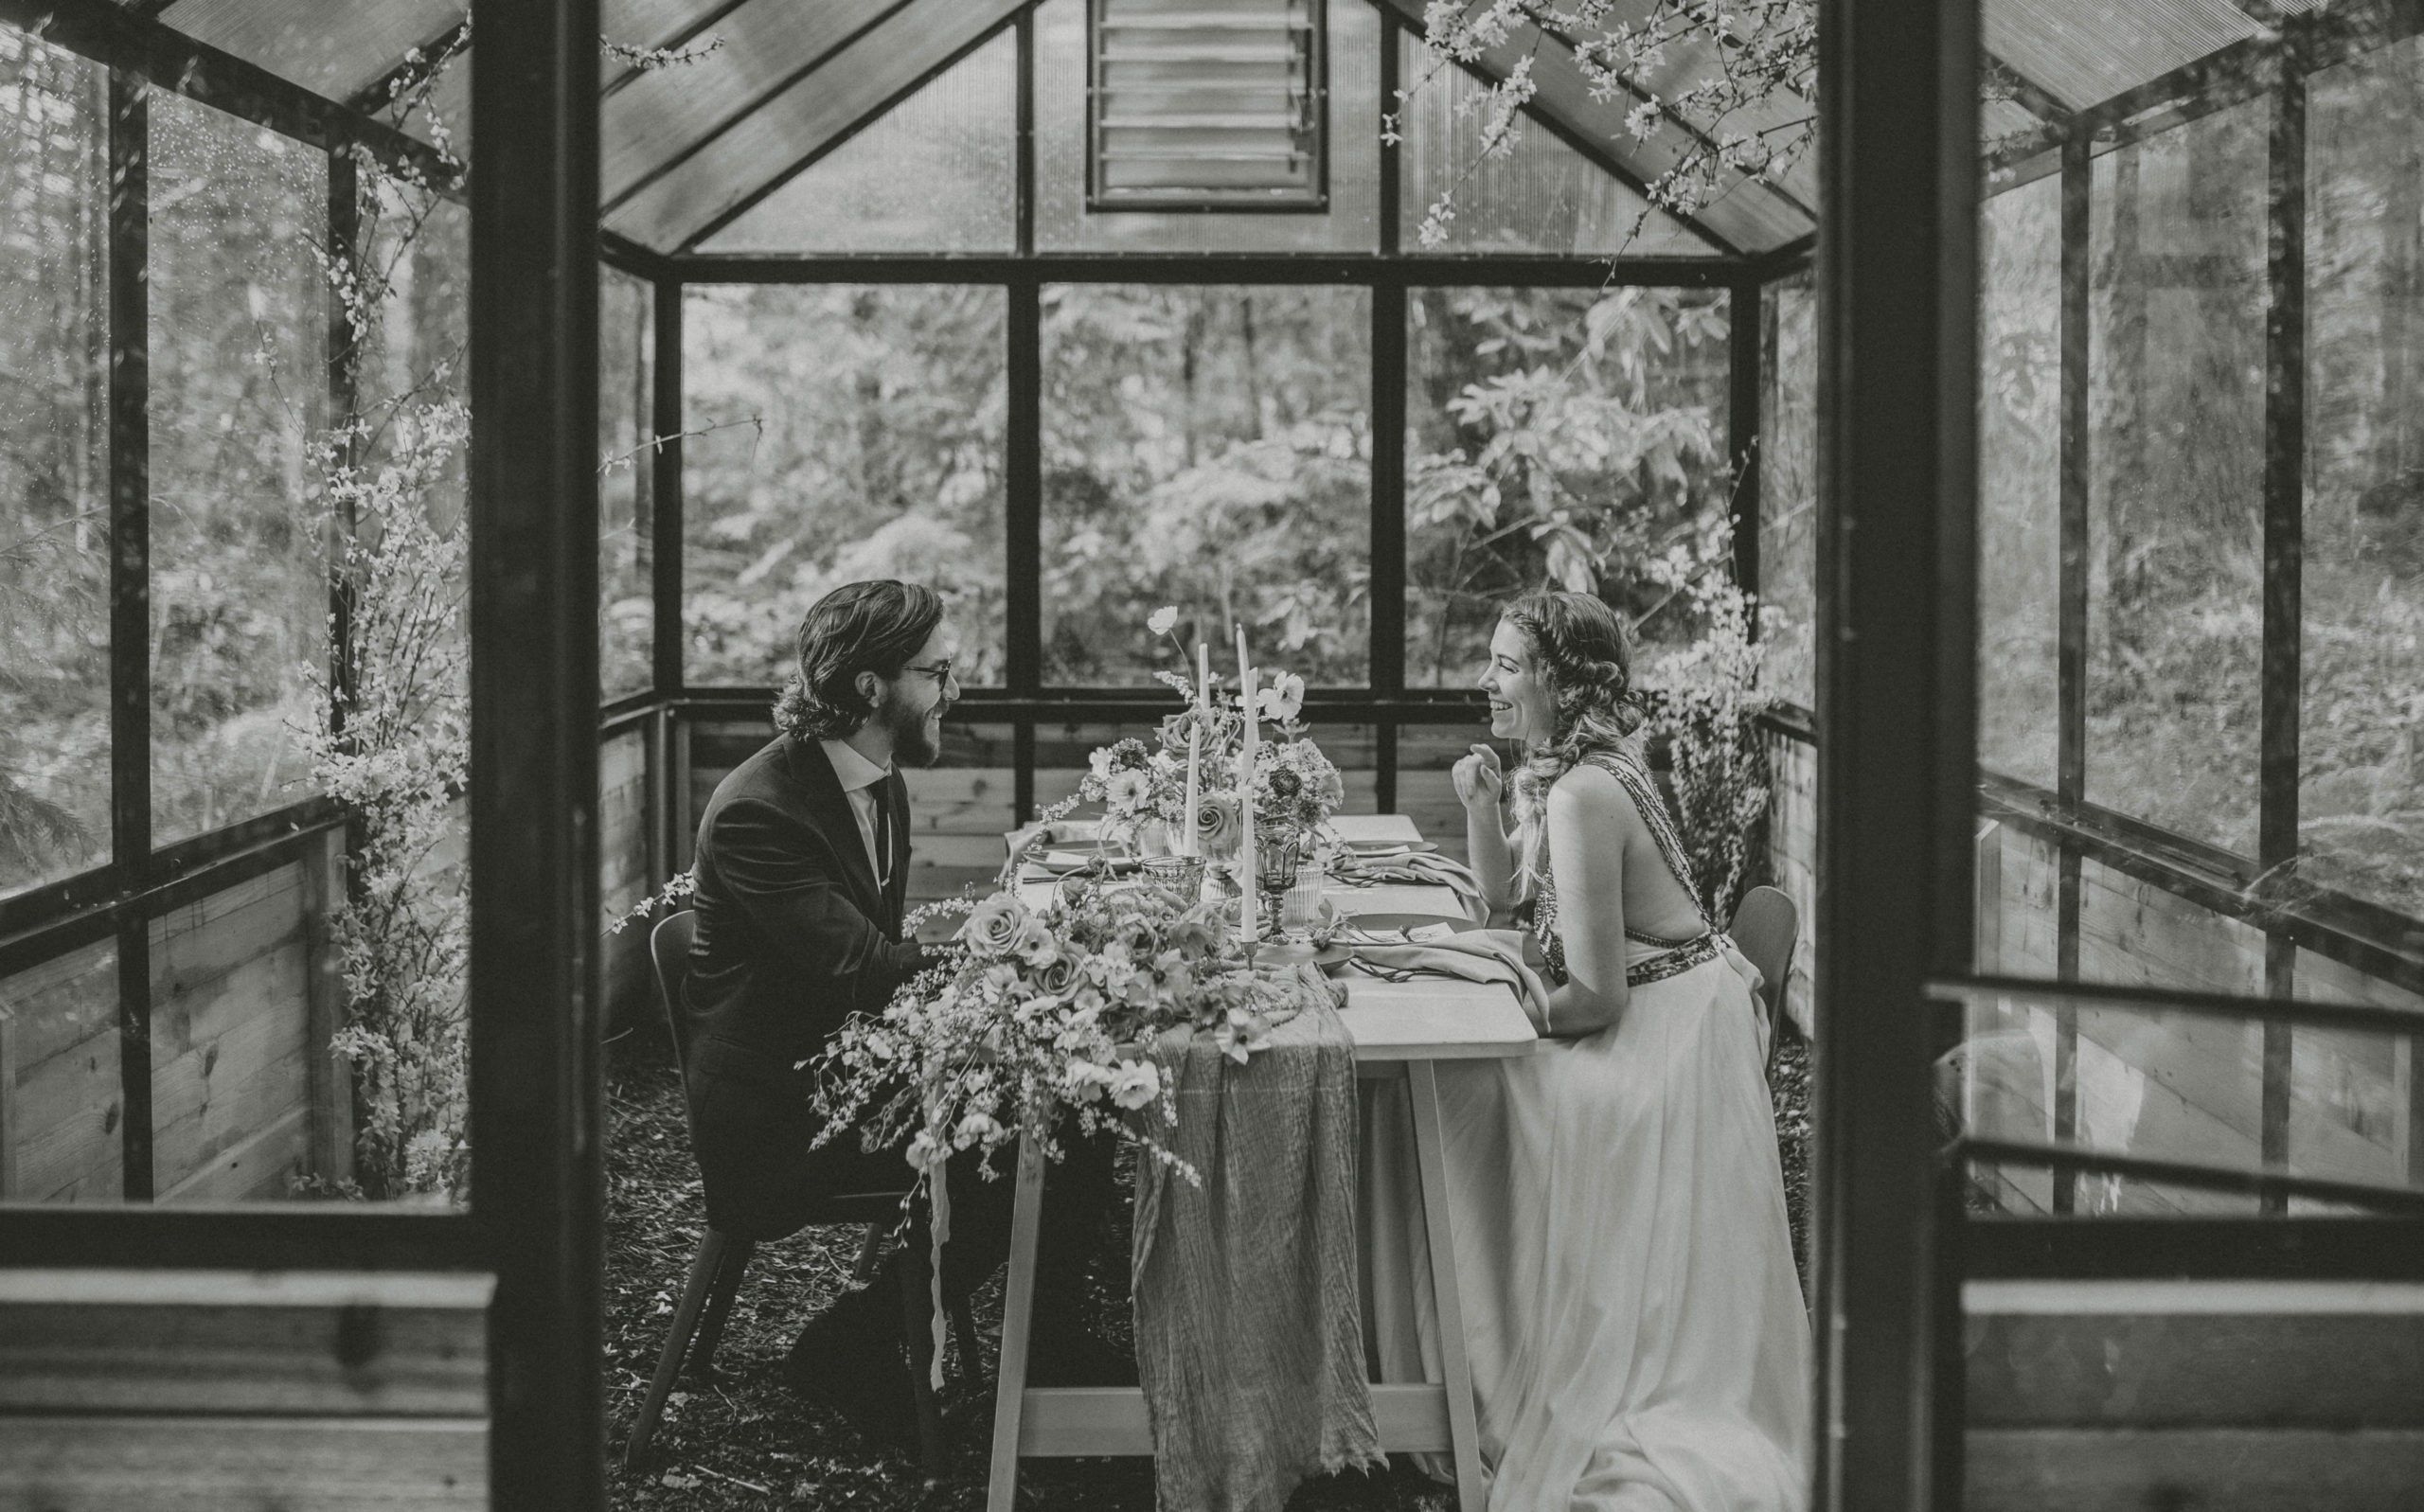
1767, 927
716, 1269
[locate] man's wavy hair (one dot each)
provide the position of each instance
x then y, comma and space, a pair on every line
1584, 652
863, 627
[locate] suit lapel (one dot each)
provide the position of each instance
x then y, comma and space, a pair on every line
828, 808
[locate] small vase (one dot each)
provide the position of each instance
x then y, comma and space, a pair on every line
1182, 876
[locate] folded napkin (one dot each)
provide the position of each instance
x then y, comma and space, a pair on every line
1419, 868
1477, 956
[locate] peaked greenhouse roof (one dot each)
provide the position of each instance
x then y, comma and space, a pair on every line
767, 88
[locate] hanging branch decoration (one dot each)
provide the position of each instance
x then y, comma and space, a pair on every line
1766, 56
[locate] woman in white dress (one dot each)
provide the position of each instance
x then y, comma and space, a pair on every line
1635, 1323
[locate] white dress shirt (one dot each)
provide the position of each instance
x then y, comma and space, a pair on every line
860, 779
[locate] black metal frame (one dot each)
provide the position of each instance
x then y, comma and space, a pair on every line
1897, 715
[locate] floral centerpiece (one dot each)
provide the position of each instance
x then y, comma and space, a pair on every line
1034, 1009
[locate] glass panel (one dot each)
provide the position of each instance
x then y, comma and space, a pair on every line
332, 47
239, 339
1209, 448
850, 432
63, 1140
2020, 477
418, 264
54, 461
2176, 496
1788, 487
626, 409
1559, 435
2167, 1086
2085, 54
1063, 223
1539, 196
2361, 803
937, 172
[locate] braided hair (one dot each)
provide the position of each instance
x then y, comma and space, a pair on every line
1584, 652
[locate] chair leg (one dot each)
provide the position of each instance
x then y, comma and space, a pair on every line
916, 1270
702, 1354
870, 1249
704, 1269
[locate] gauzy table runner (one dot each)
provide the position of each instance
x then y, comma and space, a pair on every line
1248, 1343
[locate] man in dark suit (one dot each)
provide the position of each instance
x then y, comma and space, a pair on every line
803, 857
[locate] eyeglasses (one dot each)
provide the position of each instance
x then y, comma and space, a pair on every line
940, 672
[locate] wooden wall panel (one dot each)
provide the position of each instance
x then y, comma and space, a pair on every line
2212, 1394
231, 1036
623, 876
147, 1389
60, 1102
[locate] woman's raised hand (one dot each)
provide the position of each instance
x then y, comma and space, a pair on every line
1479, 780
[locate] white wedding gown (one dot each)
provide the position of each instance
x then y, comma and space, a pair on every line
1631, 1314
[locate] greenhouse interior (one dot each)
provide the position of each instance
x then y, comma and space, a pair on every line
404, 533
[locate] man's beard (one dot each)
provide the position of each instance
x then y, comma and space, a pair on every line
912, 743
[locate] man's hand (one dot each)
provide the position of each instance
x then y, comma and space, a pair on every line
1479, 780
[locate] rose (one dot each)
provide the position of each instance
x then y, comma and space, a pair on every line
1057, 976
1163, 620
994, 926
1129, 755
1218, 824
1286, 784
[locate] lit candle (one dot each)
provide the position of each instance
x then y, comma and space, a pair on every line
1249, 927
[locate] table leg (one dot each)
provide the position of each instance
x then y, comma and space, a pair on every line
1018, 1311
1439, 1231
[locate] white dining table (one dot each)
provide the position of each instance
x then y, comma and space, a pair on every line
1401, 1029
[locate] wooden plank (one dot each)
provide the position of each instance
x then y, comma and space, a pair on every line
260, 1166
49, 1011
241, 1343
2210, 1469
330, 1091
64, 1118
113, 1464
216, 934
2174, 1354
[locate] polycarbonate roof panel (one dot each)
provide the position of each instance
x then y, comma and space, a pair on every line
1539, 196
651, 124
2084, 52
1692, 60
1749, 216
732, 169
937, 172
332, 47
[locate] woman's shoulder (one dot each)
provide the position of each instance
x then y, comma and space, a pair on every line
1595, 782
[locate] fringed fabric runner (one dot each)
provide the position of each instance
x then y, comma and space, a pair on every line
1248, 1343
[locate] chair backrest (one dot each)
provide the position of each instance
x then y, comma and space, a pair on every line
669, 948
1767, 926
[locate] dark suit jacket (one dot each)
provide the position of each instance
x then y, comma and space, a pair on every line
792, 937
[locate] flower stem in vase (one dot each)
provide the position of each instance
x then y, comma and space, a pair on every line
1248, 924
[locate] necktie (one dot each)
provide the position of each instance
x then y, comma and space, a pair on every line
883, 835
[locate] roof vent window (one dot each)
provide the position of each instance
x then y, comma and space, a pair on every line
1206, 105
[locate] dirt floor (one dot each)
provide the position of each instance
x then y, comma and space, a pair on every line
747, 1441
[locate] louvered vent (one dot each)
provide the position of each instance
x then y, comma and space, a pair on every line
1207, 105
